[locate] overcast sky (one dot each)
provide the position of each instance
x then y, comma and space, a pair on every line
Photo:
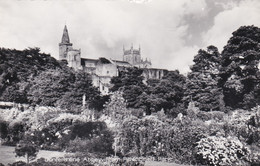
170, 32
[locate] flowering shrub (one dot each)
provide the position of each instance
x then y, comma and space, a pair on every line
215, 150
9, 115
109, 161
68, 117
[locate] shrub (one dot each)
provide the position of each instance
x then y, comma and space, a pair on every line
18, 163
152, 137
215, 150
26, 149
100, 144
3, 129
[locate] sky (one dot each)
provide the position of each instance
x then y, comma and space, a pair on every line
170, 32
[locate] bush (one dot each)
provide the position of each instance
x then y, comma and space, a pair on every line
215, 150
110, 161
3, 129
18, 163
152, 137
27, 150
100, 144
213, 115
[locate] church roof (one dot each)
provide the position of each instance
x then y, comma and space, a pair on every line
83, 60
65, 37
104, 60
116, 61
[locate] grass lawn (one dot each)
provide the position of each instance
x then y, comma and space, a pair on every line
7, 155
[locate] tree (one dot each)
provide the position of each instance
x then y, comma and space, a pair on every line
18, 67
49, 86
116, 107
27, 150
164, 94
240, 68
130, 82
202, 83
73, 97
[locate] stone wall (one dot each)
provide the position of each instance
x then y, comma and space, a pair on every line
74, 59
153, 73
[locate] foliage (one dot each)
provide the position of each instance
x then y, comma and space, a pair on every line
3, 129
130, 82
153, 96
239, 72
165, 94
73, 97
26, 149
49, 86
202, 82
111, 161
116, 107
29, 76
17, 68
217, 150
151, 136
64, 88
141, 137
236, 124
99, 144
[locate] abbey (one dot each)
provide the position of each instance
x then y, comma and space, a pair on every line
103, 69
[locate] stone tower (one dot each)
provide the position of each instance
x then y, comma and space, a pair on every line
132, 56
72, 56
65, 46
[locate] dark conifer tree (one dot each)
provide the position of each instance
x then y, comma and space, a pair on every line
202, 82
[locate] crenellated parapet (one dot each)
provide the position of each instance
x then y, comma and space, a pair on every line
133, 56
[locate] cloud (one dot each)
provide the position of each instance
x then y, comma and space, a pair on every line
244, 13
169, 32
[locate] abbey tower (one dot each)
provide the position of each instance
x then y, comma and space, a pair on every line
133, 56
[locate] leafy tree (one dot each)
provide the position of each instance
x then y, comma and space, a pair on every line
116, 107
240, 68
17, 68
130, 82
27, 150
166, 93
202, 83
49, 86
73, 97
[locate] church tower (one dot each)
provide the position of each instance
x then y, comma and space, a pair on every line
65, 46
132, 56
